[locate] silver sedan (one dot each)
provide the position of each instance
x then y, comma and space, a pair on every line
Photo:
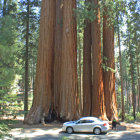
86, 124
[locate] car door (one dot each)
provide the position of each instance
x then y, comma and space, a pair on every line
89, 125
84, 126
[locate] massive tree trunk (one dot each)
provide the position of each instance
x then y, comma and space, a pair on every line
98, 107
87, 70
69, 88
57, 56
109, 75
43, 86
121, 74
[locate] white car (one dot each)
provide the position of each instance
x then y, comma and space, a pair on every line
86, 124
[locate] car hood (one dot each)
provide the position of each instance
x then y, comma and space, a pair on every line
71, 122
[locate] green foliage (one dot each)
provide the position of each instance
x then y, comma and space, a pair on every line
8, 65
84, 11
12, 53
10, 105
129, 118
4, 129
138, 116
105, 66
64, 138
8, 50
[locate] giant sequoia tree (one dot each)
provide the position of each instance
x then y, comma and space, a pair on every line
92, 71
57, 57
69, 87
98, 107
109, 75
87, 69
44, 77
56, 77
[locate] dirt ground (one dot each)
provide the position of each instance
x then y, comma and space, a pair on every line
53, 131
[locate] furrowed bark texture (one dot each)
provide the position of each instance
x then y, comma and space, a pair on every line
43, 86
57, 57
98, 107
87, 71
69, 88
109, 76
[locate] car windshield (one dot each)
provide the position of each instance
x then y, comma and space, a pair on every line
77, 121
99, 120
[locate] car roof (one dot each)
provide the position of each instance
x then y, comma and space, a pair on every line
88, 118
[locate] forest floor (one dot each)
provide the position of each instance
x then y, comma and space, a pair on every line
53, 131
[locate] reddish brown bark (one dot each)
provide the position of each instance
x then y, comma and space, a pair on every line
98, 107
87, 70
109, 76
43, 85
69, 88
57, 56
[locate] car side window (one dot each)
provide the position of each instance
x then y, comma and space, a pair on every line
86, 121
89, 121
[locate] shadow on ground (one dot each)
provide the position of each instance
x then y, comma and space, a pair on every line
53, 131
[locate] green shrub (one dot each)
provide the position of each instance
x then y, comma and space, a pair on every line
64, 138
4, 129
138, 116
129, 118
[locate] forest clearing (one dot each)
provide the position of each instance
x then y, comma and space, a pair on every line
61, 60
53, 131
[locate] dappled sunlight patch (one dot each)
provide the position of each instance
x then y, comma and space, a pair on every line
54, 131
35, 132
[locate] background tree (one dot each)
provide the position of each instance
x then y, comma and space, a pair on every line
119, 8
109, 61
8, 53
28, 23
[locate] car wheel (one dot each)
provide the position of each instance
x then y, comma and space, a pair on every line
69, 130
97, 131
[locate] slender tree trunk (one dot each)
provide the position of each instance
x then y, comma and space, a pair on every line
126, 84
121, 75
26, 61
69, 87
87, 70
133, 87
127, 94
42, 101
33, 73
138, 71
57, 56
109, 75
132, 71
98, 106
4, 7
79, 80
